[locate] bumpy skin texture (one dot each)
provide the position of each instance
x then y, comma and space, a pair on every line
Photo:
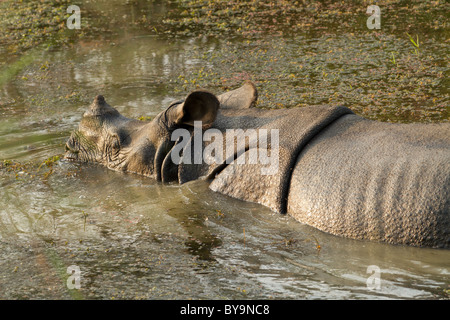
369, 180
338, 172
245, 181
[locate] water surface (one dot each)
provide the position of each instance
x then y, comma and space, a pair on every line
135, 238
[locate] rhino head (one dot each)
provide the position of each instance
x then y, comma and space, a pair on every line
105, 136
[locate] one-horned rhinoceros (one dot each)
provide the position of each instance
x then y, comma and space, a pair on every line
324, 165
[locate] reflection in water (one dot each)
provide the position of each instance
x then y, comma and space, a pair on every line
135, 238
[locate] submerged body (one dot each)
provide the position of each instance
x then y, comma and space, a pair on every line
335, 171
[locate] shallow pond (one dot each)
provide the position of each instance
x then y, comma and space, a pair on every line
132, 237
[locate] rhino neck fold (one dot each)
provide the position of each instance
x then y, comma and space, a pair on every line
245, 181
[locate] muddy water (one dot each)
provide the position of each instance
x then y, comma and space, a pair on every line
133, 238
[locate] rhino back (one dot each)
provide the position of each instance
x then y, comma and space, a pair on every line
378, 181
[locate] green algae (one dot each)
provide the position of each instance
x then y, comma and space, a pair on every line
298, 53
27, 24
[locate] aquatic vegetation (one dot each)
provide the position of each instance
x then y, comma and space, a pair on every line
28, 171
393, 59
289, 51
18, 169
254, 19
27, 24
332, 69
415, 43
50, 161
145, 118
297, 52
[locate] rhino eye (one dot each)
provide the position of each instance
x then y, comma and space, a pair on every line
116, 143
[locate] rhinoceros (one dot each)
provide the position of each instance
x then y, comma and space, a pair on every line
331, 169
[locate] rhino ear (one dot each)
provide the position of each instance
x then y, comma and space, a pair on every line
241, 98
199, 106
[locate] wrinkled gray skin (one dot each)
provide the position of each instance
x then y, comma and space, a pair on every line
338, 172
